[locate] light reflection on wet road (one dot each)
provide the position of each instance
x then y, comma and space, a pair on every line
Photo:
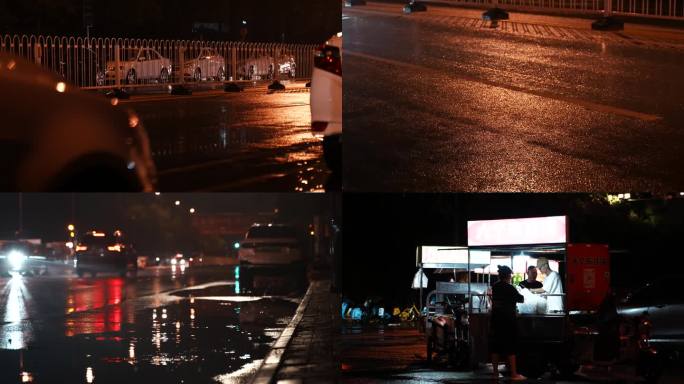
251, 140
452, 107
59, 329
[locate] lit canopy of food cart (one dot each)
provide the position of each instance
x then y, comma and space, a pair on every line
525, 231
456, 257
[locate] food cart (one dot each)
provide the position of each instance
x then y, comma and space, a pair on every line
545, 337
446, 317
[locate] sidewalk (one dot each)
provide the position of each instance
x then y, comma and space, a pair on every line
398, 355
307, 351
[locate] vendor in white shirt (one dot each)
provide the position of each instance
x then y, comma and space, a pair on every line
552, 285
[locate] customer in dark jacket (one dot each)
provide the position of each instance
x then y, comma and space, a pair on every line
503, 329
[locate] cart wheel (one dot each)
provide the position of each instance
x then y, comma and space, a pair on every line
531, 366
567, 369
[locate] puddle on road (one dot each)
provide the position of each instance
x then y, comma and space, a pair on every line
187, 340
187, 131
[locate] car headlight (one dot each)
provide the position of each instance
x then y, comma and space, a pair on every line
16, 259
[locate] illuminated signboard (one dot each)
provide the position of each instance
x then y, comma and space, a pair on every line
451, 257
533, 230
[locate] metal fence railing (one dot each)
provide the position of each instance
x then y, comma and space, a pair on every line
577, 5
663, 9
121, 62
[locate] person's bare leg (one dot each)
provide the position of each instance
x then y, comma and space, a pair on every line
495, 364
513, 366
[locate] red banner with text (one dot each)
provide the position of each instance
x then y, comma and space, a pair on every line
588, 275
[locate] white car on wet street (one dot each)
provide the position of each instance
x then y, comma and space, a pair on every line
207, 65
140, 64
326, 100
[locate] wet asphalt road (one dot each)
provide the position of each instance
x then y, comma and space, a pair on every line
397, 355
165, 326
438, 101
248, 141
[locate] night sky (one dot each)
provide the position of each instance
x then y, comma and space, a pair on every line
382, 232
47, 215
298, 21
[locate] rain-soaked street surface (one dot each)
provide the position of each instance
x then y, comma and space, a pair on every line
397, 355
165, 326
248, 141
438, 101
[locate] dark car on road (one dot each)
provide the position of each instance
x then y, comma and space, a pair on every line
414, 6
655, 314
495, 14
98, 252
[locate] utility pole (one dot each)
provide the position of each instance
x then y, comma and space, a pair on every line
73, 207
21, 214
88, 16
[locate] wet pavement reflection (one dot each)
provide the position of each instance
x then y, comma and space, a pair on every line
455, 107
62, 329
223, 141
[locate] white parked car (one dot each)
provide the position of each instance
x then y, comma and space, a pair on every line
207, 65
270, 245
326, 100
141, 64
269, 249
263, 67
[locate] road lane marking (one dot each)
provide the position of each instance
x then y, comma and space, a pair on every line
535, 29
548, 95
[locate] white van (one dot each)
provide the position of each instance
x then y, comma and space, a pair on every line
270, 245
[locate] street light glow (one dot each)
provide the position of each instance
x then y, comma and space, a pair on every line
177, 202
70, 227
192, 210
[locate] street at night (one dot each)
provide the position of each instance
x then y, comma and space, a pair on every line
194, 288
439, 101
166, 325
238, 96
175, 186
247, 141
423, 272
397, 355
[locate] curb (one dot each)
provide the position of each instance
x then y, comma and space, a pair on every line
269, 368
